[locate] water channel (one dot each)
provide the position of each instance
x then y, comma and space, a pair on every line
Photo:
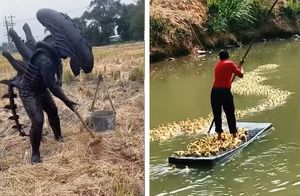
180, 89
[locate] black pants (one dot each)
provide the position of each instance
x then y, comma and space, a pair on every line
222, 97
34, 105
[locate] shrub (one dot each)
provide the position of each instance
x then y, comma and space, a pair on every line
181, 33
291, 8
259, 10
230, 15
158, 27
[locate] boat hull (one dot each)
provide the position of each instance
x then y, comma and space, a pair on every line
254, 131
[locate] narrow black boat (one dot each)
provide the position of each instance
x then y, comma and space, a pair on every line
254, 131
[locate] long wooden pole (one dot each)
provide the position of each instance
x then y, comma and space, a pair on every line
110, 100
96, 91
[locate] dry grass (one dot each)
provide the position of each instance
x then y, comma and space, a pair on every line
123, 58
179, 16
113, 167
179, 12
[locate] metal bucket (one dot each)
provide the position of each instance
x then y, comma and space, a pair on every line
103, 120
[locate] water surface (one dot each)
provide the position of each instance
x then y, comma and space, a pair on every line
269, 166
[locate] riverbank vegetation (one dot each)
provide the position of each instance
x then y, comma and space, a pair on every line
233, 16
178, 27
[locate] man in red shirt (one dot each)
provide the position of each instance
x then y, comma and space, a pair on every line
221, 92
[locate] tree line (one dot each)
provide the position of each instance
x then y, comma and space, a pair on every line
104, 17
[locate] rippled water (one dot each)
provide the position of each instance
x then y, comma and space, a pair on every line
269, 166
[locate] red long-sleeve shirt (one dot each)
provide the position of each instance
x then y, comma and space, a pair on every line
223, 73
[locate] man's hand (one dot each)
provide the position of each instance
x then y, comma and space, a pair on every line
71, 105
241, 63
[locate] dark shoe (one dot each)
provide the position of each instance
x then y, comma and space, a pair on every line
57, 136
36, 158
219, 136
234, 135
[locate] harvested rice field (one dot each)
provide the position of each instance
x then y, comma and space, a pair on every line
115, 166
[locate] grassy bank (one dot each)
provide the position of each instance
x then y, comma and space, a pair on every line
113, 167
182, 27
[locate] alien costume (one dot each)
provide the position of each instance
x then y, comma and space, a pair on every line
40, 72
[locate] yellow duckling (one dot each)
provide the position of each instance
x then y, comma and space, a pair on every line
207, 154
243, 137
214, 151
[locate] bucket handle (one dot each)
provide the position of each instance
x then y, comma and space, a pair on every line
99, 79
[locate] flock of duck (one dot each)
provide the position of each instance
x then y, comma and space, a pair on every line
250, 85
188, 126
212, 146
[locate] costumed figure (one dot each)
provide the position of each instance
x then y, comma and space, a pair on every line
40, 73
